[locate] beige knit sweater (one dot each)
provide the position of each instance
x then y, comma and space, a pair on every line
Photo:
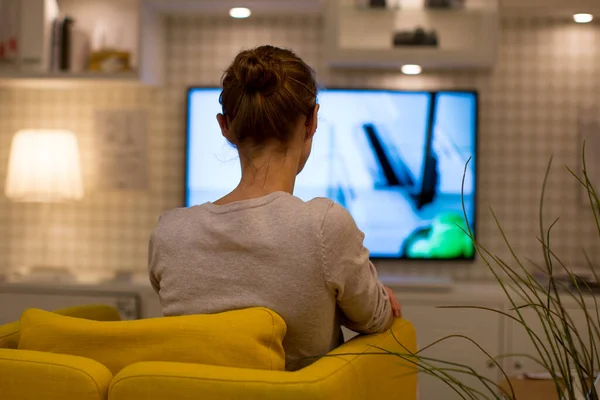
304, 260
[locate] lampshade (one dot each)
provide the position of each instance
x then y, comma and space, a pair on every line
44, 167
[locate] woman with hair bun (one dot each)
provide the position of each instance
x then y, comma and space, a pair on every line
259, 245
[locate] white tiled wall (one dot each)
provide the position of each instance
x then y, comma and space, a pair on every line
548, 70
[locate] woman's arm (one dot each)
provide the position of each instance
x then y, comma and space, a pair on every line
349, 273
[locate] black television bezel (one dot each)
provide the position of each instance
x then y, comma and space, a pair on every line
374, 258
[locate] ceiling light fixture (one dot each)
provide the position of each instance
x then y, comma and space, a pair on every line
583, 18
240, 12
411, 69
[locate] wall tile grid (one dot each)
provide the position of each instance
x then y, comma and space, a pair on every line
529, 108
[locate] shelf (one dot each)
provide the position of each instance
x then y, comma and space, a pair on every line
393, 11
60, 80
393, 59
361, 37
69, 75
130, 26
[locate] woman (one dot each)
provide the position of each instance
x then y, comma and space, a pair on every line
259, 245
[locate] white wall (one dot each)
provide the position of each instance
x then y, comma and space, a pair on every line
529, 107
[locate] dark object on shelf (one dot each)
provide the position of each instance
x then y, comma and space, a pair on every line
56, 44
377, 3
60, 44
65, 40
418, 37
586, 284
444, 3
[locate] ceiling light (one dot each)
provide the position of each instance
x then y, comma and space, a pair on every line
240, 12
411, 69
583, 18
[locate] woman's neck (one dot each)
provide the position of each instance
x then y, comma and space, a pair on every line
265, 174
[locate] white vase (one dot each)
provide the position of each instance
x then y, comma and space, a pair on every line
577, 386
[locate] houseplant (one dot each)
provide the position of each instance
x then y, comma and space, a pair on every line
570, 355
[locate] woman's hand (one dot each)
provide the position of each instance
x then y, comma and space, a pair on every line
396, 308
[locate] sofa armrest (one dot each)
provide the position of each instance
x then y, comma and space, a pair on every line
379, 368
9, 333
32, 374
356, 370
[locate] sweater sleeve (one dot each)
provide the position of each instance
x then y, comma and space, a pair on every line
351, 276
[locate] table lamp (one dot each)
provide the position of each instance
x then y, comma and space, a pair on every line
44, 167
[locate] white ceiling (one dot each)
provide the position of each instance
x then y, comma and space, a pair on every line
549, 7
265, 7
546, 3
262, 7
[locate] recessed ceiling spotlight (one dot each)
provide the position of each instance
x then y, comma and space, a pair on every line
583, 18
411, 69
240, 12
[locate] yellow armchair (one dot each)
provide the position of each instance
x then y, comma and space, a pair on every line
356, 370
359, 369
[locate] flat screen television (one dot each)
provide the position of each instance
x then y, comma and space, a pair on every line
394, 159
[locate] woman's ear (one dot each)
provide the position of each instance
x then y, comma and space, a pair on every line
313, 123
224, 125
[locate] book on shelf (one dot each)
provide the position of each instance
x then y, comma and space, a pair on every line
69, 46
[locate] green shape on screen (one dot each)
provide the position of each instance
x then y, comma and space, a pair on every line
445, 239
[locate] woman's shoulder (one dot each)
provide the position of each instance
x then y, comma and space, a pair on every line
320, 211
170, 215
161, 221
319, 202
321, 206
334, 216
173, 220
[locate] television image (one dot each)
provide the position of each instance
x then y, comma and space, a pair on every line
395, 160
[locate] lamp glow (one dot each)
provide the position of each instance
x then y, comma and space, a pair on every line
411, 69
44, 167
240, 12
583, 18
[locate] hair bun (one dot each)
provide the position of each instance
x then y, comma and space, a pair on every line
259, 74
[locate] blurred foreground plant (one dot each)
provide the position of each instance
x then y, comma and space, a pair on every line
569, 354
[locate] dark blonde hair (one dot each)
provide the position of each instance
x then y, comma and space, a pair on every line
266, 90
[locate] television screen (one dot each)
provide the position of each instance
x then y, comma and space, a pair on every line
395, 160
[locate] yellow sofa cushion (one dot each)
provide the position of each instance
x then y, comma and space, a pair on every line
250, 338
9, 333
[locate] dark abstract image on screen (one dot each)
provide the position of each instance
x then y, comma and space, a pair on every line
394, 160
